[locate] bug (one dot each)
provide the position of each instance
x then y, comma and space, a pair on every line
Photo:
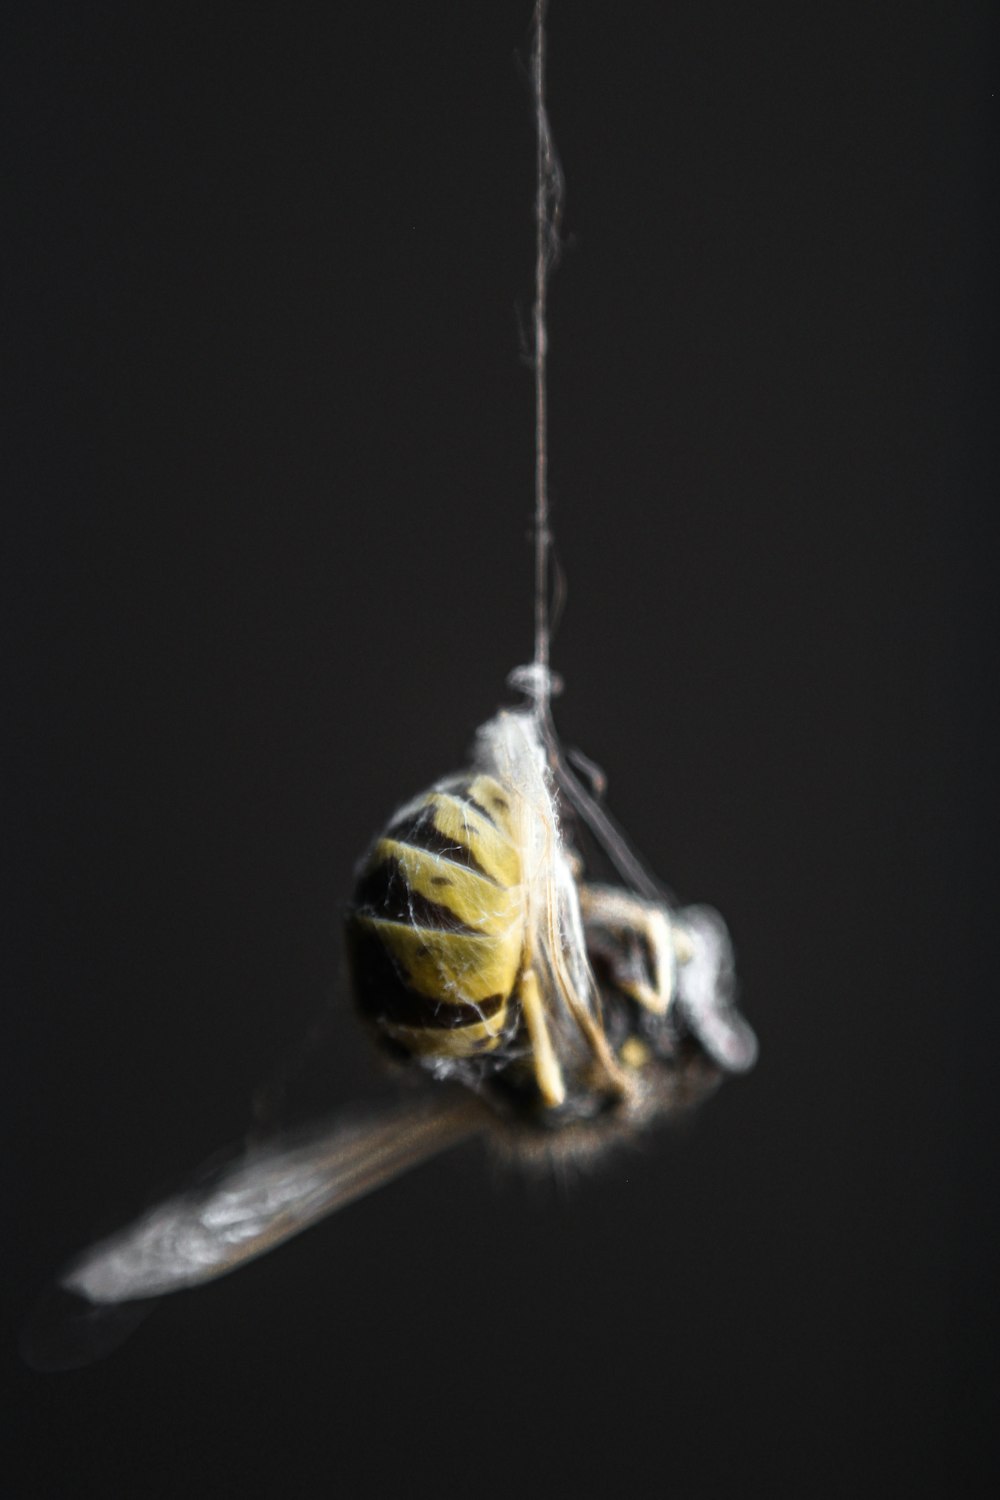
507, 942
478, 941
557, 1014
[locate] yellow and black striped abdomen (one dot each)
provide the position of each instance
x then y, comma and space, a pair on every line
437, 927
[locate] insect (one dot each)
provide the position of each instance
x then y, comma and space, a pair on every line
556, 1013
505, 940
481, 949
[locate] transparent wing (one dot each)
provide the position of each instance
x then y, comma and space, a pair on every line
273, 1193
245, 1209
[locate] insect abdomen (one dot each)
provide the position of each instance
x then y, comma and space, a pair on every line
437, 926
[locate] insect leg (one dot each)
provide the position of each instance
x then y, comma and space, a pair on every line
564, 900
548, 1073
610, 918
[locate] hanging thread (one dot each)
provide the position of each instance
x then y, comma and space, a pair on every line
548, 213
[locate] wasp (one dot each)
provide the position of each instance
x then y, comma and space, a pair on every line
556, 1013
481, 949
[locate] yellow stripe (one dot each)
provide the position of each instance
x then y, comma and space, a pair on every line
474, 899
492, 848
500, 803
454, 967
463, 1041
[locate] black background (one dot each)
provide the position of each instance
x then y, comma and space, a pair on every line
268, 464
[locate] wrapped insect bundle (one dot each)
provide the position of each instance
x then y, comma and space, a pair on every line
481, 948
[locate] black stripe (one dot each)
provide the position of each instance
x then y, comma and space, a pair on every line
421, 832
480, 809
384, 891
436, 1015
384, 993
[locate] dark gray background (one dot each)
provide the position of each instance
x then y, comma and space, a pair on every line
267, 497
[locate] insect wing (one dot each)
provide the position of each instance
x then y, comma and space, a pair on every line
243, 1210
273, 1193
